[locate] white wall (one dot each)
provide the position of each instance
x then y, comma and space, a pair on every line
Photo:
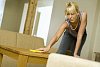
91, 28
21, 30
12, 15
44, 22
42, 19
2, 5
57, 19
97, 37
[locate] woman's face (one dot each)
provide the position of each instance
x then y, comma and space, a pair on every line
72, 14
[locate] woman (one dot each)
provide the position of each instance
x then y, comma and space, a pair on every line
74, 28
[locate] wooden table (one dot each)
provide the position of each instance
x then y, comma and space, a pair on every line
23, 56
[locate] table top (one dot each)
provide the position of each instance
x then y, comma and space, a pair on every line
23, 51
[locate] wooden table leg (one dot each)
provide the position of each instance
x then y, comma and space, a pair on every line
1, 56
22, 61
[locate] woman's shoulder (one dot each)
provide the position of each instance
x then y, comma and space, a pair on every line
83, 13
65, 24
84, 17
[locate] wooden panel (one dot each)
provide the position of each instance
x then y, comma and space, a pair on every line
38, 42
23, 55
1, 57
29, 42
22, 61
37, 60
7, 38
8, 53
25, 41
30, 17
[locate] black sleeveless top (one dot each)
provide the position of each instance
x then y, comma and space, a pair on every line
74, 32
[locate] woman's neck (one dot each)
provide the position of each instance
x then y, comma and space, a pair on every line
74, 25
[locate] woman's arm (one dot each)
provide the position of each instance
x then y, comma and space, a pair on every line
55, 38
58, 34
81, 32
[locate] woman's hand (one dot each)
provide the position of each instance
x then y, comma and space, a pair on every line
46, 49
75, 55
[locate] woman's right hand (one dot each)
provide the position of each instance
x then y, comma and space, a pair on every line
46, 49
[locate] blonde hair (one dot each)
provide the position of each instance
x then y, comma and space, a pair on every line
70, 4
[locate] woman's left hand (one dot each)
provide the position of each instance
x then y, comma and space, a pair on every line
75, 55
